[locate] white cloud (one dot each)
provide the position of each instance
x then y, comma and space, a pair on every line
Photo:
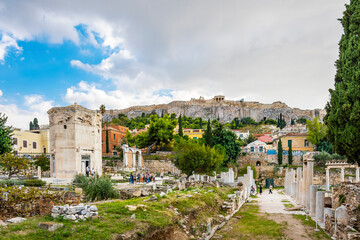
6, 43
266, 50
34, 107
1, 93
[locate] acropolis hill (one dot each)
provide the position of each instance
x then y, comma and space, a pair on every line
218, 107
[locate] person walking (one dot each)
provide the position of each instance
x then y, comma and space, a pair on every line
270, 189
93, 173
131, 179
260, 189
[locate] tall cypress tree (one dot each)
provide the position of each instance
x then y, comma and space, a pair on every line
208, 135
107, 141
280, 152
290, 156
181, 134
343, 109
200, 123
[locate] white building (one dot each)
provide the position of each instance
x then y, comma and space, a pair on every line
75, 141
256, 147
241, 134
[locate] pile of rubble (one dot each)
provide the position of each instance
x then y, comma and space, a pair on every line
78, 212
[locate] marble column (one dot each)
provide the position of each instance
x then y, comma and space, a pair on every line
39, 172
357, 178
342, 174
309, 176
327, 179
303, 190
298, 189
293, 187
320, 196
313, 190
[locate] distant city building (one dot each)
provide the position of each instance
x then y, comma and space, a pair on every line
256, 147
116, 135
75, 141
31, 143
193, 133
297, 140
241, 134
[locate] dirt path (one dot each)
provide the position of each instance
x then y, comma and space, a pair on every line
266, 218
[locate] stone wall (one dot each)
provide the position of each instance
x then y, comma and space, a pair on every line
265, 159
158, 166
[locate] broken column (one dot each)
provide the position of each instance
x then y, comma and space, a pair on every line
320, 197
357, 177
327, 179
313, 190
39, 172
342, 174
303, 189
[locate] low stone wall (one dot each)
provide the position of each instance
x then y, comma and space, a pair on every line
78, 212
158, 166
264, 159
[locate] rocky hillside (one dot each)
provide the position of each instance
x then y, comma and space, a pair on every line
223, 109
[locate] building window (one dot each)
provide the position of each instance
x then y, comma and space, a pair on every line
15, 141
25, 144
252, 149
261, 149
65, 127
34, 145
289, 142
241, 136
306, 143
114, 136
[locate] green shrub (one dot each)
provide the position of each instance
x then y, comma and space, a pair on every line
242, 171
12, 182
342, 199
80, 180
98, 188
322, 157
34, 183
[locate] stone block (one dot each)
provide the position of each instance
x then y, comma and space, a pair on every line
342, 216
93, 208
70, 217
50, 226
15, 220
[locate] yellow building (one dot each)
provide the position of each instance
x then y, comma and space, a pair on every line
31, 143
193, 133
298, 141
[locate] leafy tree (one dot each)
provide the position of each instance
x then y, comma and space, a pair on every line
302, 121
316, 131
200, 123
181, 134
43, 162
325, 146
192, 157
292, 122
229, 141
161, 129
208, 136
102, 109
280, 152
271, 122
36, 124
31, 126
290, 156
173, 116
248, 121
12, 164
130, 139
343, 109
6, 141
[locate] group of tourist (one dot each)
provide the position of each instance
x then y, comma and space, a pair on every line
90, 172
142, 178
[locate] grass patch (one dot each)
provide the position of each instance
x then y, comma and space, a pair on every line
316, 235
115, 218
251, 225
288, 205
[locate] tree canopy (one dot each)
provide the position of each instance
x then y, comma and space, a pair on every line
343, 108
316, 131
42, 161
228, 140
192, 157
12, 164
6, 141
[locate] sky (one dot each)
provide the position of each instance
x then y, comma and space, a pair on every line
125, 53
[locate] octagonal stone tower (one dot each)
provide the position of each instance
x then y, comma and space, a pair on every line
75, 141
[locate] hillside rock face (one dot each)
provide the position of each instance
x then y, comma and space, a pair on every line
223, 109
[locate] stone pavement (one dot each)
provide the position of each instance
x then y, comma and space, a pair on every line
272, 203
